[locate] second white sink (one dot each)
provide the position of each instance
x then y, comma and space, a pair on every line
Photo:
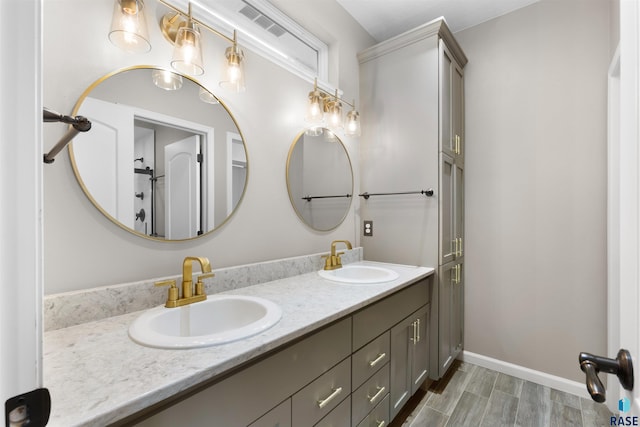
360, 274
219, 319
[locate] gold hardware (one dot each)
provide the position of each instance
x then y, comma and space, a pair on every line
377, 360
454, 243
413, 338
456, 145
455, 276
417, 330
457, 243
188, 295
381, 423
172, 298
379, 392
324, 402
333, 261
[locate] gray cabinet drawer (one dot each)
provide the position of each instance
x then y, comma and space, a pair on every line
381, 316
369, 395
379, 417
339, 417
280, 416
366, 361
325, 393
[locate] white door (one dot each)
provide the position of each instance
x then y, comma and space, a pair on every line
105, 157
182, 177
623, 212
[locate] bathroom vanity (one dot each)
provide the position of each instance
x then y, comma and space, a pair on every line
342, 354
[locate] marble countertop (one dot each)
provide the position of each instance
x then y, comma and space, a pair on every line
98, 376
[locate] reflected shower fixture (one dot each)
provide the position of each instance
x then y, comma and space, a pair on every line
182, 29
129, 26
326, 107
165, 79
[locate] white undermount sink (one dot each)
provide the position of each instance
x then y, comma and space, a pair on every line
360, 274
217, 320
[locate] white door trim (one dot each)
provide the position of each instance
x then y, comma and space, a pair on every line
21, 262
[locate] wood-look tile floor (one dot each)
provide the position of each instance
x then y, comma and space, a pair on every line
477, 397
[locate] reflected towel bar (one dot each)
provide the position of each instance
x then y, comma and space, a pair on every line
78, 124
309, 198
427, 193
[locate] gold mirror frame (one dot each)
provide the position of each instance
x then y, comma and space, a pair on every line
77, 110
324, 180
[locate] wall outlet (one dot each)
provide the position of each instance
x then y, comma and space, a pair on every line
368, 228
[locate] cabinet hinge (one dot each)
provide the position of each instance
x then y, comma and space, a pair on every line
200, 158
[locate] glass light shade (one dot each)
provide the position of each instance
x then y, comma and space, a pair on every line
166, 79
208, 97
187, 52
315, 113
334, 114
352, 127
129, 27
233, 77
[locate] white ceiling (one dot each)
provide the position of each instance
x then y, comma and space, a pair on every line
387, 18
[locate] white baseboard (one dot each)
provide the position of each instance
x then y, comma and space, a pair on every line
552, 381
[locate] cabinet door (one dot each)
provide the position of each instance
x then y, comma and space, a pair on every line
409, 357
420, 361
457, 110
445, 296
447, 198
447, 139
457, 310
458, 209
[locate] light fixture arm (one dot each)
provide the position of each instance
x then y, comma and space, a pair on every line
200, 23
325, 94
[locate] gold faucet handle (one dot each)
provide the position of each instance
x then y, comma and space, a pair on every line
173, 290
200, 283
327, 263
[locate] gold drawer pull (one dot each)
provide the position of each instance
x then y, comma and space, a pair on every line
381, 423
377, 395
324, 402
377, 359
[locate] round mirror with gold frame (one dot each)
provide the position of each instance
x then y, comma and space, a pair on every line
164, 158
320, 179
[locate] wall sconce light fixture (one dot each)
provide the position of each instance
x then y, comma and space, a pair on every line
129, 32
129, 26
326, 107
182, 30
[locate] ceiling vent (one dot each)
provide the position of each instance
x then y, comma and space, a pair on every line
262, 20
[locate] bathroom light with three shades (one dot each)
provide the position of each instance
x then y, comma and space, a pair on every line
129, 32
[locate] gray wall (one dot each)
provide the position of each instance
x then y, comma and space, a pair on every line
83, 249
536, 185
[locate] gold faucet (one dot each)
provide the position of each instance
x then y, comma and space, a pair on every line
188, 295
333, 261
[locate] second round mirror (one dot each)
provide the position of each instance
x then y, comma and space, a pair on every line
320, 179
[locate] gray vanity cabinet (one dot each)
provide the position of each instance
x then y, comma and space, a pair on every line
342, 375
410, 357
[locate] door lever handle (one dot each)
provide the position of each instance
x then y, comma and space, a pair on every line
621, 366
